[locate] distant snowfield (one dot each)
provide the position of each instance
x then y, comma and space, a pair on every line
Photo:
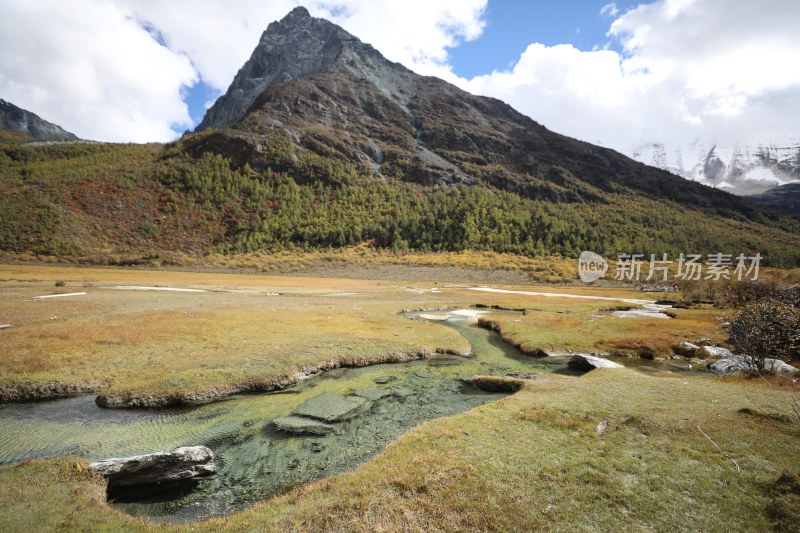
740, 169
763, 174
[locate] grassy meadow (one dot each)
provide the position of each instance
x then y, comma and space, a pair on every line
680, 453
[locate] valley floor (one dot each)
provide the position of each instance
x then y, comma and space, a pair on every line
535, 459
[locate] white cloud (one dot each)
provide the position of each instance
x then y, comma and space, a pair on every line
714, 70
96, 67
92, 70
609, 9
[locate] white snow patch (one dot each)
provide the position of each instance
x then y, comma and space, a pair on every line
48, 296
145, 288
458, 314
762, 174
564, 295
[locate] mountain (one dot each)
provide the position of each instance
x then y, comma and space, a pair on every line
17, 119
322, 90
741, 170
322, 143
782, 197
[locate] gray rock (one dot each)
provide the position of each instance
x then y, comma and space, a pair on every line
295, 47
382, 380
374, 393
301, 426
739, 363
331, 407
583, 361
403, 392
717, 351
174, 465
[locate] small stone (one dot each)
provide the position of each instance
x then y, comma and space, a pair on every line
331, 407
582, 361
374, 393
301, 426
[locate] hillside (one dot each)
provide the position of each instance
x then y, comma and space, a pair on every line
322, 143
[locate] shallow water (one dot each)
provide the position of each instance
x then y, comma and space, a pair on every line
254, 461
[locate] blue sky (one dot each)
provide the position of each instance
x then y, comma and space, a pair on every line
512, 26
720, 71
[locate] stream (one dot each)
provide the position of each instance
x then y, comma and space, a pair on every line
254, 460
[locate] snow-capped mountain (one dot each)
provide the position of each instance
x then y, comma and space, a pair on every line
741, 170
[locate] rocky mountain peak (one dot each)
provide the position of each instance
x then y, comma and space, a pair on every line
17, 119
292, 48
312, 96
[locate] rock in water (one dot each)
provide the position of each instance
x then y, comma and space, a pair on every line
741, 363
331, 407
582, 361
174, 465
374, 393
301, 426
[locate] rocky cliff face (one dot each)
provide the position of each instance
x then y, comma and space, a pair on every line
17, 119
314, 87
742, 170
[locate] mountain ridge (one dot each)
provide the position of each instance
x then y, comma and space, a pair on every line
348, 102
15, 118
739, 169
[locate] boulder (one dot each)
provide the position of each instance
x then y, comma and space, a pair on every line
739, 363
174, 465
331, 407
583, 361
301, 426
717, 351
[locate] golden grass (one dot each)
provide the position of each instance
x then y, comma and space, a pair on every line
240, 330
580, 330
255, 327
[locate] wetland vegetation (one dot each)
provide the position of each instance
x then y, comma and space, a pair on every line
646, 447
